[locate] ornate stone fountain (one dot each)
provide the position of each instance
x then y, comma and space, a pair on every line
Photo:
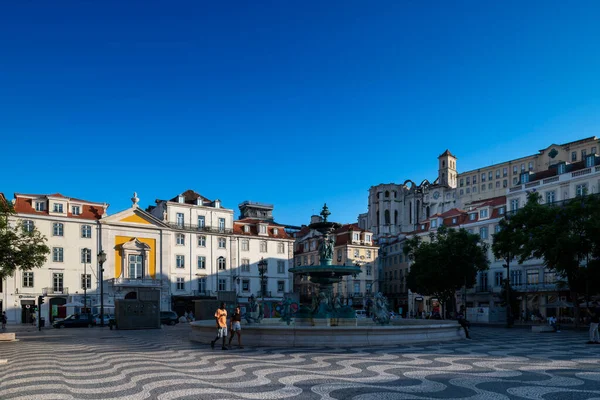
326, 309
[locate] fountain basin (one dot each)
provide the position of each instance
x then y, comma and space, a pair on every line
273, 332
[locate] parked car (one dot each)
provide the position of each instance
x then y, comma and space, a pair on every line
168, 318
75, 321
361, 314
107, 318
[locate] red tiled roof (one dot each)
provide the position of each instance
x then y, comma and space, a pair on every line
24, 205
73, 199
238, 228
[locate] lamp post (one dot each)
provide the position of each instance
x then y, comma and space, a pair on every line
101, 261
262, 269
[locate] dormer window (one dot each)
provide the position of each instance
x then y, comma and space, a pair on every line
454, 220
434, 223
483, 213
217, 203
589, 161
263, 229
58, 208
180, 199
356, 237
40, 206
422, 227
472, 216
199, 201
502, 210
562, 168
247, 228
75, 210
275, 231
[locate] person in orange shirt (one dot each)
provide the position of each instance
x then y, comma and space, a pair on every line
221, 318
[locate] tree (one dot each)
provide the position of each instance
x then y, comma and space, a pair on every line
566, 237
443, 265
19, 248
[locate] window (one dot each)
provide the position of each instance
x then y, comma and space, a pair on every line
222, 284
533, 277
483, 232
28, 279
136, 266
245, 285
550, 195
497, 173
514, 169
180, 283
434, 223
356, 287
583, 154
246, 228
58, 208
201, 262
280, 286
356, 236
462, 192
280, 248
474, 189
201, 222
368, 255
562, 168
40, 206
468, 181
483, 177
369, 270
589, 161
515, 181
468, 190
368, 286
221, 224
514, 204
180, 220
497, 228
202, 285
472, 216
281, 267
462, 182
482, 187
180, 237
179, 261
483, 213
502, 210
549, 276
474, 179
263, 246
86, 256
504, 172
245, 265
505, 183
86, 281
368, 238
454, 220
581, 190
245, 245
263, 229
573, 156
57, 229
57, 282
275, 231
201, 241
86, 231
356, 253
515, 277
75, 210
498, 276
222, 243
530, 165
28, 225
221, 263
57, 254
522, 167
470, 230
525, 178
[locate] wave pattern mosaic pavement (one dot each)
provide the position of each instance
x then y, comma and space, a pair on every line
164, 364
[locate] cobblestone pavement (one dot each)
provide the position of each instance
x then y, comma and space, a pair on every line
163, 364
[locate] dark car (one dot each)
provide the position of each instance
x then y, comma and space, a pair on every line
75, 321
168, 318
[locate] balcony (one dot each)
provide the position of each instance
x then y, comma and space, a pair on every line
50, 291
197, 228
132, 282
536, 287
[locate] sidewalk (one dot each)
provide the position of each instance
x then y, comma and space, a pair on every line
20, 328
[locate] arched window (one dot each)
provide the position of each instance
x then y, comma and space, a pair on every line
443, 164
396, 217
387, 217
221, 263
387, 193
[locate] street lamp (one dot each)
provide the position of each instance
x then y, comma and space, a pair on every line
101, 261
262, 269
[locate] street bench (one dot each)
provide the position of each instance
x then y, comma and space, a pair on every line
7, 337
541, 328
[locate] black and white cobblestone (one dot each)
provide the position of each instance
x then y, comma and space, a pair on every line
164, 364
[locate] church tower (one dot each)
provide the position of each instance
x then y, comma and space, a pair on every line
447, 170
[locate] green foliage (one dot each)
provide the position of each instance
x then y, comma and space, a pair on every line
19, 249
443, 265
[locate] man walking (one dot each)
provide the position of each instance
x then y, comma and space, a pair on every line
236, 326
221, 318
464, 323
594, 321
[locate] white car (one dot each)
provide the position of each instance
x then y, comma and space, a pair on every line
107, 317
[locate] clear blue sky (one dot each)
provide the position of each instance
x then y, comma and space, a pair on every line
290, 103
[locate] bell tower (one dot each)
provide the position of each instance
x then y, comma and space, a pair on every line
447, 169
